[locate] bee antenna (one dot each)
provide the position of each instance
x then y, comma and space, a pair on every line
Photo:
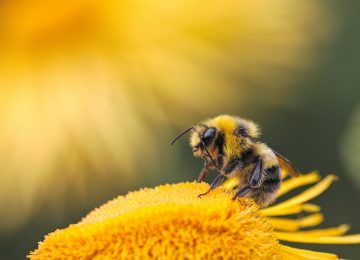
207, 151
181, 134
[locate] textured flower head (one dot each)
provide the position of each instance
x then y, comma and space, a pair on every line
171, 222
166, 222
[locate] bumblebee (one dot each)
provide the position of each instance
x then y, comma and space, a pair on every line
230, 145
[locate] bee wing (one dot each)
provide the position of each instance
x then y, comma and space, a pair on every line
287, 165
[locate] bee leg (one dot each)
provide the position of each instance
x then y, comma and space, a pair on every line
204, 171
232, 165
256, 175
242, 192
220, 161
216, 182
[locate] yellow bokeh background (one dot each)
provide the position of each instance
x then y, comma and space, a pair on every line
92, 91
81, 79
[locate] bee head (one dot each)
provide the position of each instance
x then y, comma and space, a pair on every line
201, 140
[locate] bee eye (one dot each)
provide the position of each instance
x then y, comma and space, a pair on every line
208, 134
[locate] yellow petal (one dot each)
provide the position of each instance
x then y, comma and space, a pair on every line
306, 254
309, 194
296, 182
289, 256
308, 207
335, 231
296, 224
301, 238
292, 210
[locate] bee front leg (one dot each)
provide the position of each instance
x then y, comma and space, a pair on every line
216, 182
220, 161
233, 165
208, 164
204, 171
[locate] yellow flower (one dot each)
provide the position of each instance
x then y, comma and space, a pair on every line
171, 222
82, 79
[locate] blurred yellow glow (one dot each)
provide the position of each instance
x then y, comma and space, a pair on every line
81, 80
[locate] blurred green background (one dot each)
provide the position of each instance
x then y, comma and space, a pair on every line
92, 92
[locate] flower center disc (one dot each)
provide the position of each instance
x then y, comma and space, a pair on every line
168, 221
